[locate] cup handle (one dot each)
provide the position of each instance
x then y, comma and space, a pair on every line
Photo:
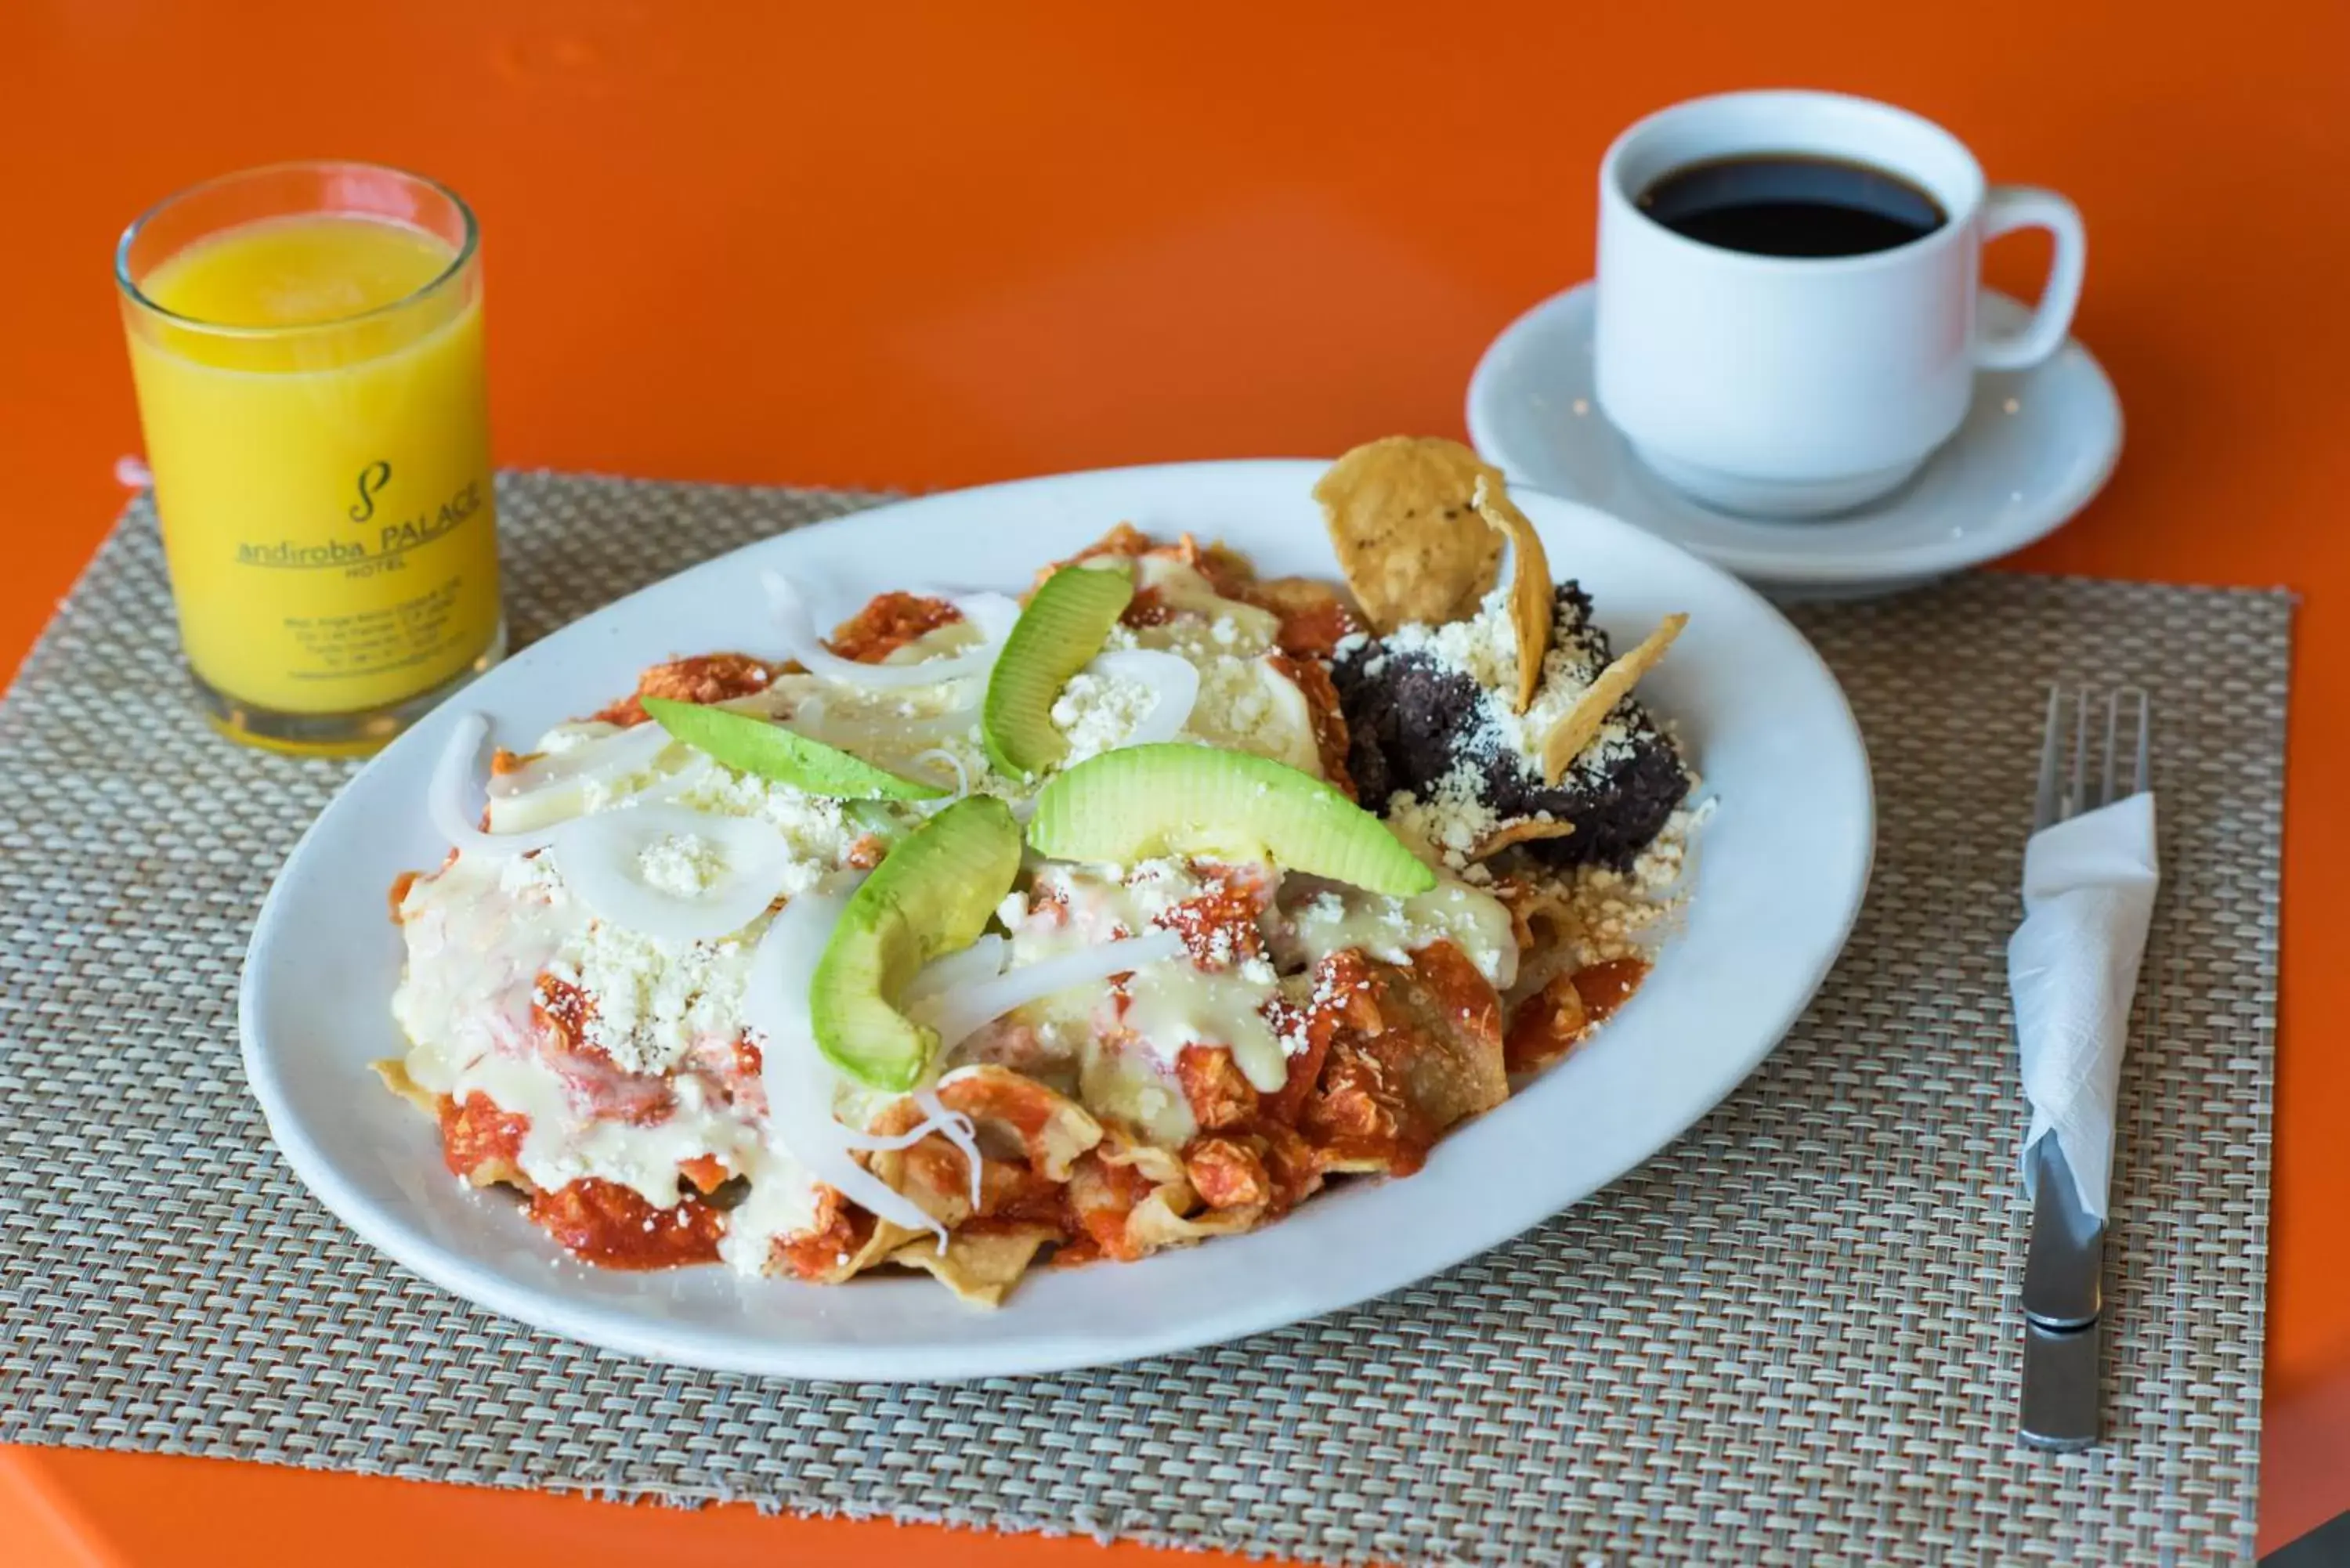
2006, 209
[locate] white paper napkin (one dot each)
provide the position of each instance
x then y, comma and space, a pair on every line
2072, 967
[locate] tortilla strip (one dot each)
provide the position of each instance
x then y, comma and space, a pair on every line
980, 1265
1052, 1129
1154, 1222
1524, 830
1531, 607
1412, 1051
1579, 725
394, 1073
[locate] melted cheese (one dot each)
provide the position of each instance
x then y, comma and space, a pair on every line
1248, 705
1168, 1005
481, 932
782, 1202
1171, 1005
890, 727
1230, 626
1392, 929
1138, 1093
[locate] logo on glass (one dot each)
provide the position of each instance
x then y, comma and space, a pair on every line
372, 478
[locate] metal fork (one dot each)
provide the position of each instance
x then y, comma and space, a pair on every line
2080, 771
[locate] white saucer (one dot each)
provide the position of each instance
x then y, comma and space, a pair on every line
2036, 447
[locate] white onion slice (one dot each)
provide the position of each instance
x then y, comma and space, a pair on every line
983, 960
600, 856
800, 1082
796, 623
670, 785
605, 760
1172, 681
959, 1014
954, 765
992, 614
448, 799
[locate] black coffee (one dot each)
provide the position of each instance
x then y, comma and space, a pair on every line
1788, 204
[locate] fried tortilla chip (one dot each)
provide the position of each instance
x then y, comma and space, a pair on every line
1154, 1222
1524, 830
1579, 725
1444, 1000
982, 1261
1542, 919
1541, 914
1403, 526
1411, 1052
1160, 1167
1530, 610
839, 1244
1008, 1110
394, 1073
1051, 1128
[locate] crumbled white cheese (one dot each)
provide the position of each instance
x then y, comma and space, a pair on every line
818, 831
1451, 822
1205, 621
1249, 705
1095, 713
683, 866
1661, 866
532, 876
1484, 649
653, 1000
1483, 646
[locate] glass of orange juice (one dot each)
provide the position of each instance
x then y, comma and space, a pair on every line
307, 344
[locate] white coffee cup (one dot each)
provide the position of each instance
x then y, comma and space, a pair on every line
1790, 386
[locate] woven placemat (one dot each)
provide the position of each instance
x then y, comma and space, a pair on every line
1786, 1339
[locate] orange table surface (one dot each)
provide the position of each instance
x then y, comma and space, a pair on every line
921, 246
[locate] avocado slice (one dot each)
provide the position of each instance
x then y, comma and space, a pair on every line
1177, 799
1062, 628
755, 746
932, 895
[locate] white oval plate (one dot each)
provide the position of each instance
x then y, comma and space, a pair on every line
1782, 870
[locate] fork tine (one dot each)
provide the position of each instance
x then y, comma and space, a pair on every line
2077, 789
2052, 749
2143, 779
2112, 740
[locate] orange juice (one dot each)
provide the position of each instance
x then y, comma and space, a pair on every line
311, 389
